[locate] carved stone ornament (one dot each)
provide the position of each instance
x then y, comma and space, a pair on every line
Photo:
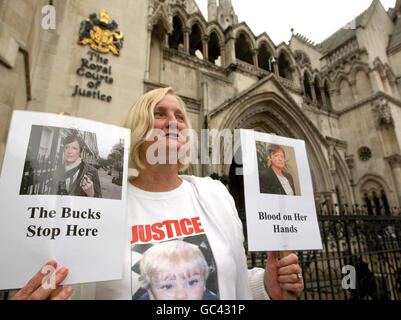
349, 159
383, 113
364, 153
160, 13
155, 4
101, 34
394, 160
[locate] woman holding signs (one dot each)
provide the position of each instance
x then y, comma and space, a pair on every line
159, 195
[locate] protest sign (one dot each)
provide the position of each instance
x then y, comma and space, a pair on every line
279, 201
63, 196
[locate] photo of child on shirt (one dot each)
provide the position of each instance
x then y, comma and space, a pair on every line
175, 270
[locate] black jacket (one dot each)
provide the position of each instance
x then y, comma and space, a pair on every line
269, 183
75, 188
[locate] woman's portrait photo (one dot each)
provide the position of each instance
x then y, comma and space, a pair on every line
277, 167
76, 177
62, 161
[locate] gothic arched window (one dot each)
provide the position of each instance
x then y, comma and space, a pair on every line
384, 200
264, 57
195, 40
177, 37
307, 86
318, 92
284, 66
327, 94
214, 47
243, 49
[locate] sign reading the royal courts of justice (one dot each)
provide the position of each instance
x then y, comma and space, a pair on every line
102, 37
63, 193
279, 200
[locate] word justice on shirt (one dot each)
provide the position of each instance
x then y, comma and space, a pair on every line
166, 230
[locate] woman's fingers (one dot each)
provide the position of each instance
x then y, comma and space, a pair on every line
44, 283
35, 282
54, 293
45, 290
288, 260
296, 288
292, 278
63, 294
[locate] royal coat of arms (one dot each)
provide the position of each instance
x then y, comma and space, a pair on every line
101, 34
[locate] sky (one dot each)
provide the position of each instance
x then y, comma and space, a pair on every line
105, 142
314, 19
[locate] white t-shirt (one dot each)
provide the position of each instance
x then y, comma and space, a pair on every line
154, 218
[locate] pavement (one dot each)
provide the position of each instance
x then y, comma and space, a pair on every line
109, 189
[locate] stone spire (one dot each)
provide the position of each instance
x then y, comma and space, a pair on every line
225, 14
211, 10
225, 4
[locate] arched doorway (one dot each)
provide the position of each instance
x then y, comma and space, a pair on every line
268, 112
236, 181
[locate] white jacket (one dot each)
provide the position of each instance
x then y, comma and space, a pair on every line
217, 202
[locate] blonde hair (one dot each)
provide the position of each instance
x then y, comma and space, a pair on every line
169, 256
140, 119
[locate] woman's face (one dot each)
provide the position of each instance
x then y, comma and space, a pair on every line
72, 152
278, 159
170, 119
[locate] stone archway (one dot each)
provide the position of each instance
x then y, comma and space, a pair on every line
375, 194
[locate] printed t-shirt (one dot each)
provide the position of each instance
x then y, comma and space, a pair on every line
183, 253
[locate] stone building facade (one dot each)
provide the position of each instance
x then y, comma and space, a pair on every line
341, 96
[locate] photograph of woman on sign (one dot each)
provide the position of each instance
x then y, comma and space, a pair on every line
66, 161
276, 175
175, 270
76, 177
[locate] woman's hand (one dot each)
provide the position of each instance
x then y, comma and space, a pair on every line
38, 288
87, 186
283, 274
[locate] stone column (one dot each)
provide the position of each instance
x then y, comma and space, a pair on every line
186, 39
229, 57
395, 163
376, 81
313, 91
349, 159
205, 43
149, 40
255, 57
354, 91
328, 197
223, 54
301, 81
323, 95
276, 71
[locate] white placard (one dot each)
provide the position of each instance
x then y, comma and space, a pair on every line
45, 212
279, 201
